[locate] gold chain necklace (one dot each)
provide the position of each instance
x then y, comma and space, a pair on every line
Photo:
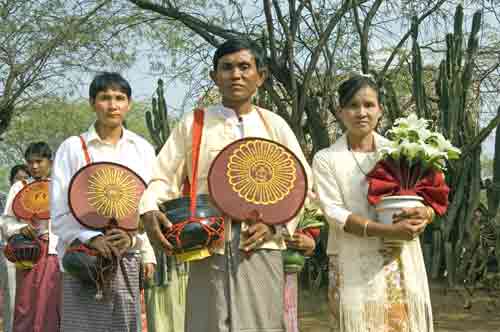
354, 156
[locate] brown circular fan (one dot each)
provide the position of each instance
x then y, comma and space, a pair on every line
33, 201
258, 177
106, 195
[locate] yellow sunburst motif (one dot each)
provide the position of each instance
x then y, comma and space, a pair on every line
36, 198
261, 172
112, 193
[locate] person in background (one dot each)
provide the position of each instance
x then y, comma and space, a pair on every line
37, 307
18, 173
8, 269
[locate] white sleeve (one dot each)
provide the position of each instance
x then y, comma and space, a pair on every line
11, 225
64, 225
328, 192
147, 252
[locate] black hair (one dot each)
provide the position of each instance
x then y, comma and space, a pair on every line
235, 45
15, 169
105, 81
351, 86
39, 149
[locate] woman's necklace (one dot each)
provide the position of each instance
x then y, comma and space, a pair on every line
354, 156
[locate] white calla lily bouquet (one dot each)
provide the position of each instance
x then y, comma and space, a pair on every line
413, 164
411, 140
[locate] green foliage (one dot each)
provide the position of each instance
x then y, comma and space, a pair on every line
52, 121
458, 123
310, 218
4, 180
44, 43
55, 120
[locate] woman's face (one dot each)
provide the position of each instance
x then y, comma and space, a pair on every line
20, 175
361, 114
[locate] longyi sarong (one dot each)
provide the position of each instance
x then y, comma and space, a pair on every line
38, 295
236, 293
116, 312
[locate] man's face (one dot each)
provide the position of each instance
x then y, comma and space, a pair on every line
39, 167
110, 107
237, 77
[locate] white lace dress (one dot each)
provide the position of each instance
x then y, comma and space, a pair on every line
371, 290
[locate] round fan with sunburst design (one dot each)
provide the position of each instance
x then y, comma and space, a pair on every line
255, 176
105, 195
32, 201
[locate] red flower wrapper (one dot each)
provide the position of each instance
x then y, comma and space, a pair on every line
312, 232
386, 179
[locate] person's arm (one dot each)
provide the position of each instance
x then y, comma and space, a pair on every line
167, 176
11, 224
64, 225
333, 207
329, 195
147, 252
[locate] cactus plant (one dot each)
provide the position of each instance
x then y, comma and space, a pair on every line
157, 119
459, 124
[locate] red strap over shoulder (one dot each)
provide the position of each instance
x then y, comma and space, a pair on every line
85, 150
197, 132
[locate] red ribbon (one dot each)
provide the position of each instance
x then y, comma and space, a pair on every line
386, 180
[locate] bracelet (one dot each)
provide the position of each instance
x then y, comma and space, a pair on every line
430, 214
365, 228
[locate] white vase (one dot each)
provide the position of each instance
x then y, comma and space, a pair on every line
389, 206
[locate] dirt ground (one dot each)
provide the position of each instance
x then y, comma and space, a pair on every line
449, 310
450, 314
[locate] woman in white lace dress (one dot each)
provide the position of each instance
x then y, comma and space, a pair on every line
372, 288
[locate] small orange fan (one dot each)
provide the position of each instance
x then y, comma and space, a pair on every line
33, 201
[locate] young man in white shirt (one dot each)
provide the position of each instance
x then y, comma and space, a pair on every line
105, 141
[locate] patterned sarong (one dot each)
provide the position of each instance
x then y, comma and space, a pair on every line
117, 312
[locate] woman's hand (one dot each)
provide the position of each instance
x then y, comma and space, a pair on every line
300, 241
407, 229
410, 223
420, 213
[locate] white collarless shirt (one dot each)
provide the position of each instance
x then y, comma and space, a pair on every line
131, 151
